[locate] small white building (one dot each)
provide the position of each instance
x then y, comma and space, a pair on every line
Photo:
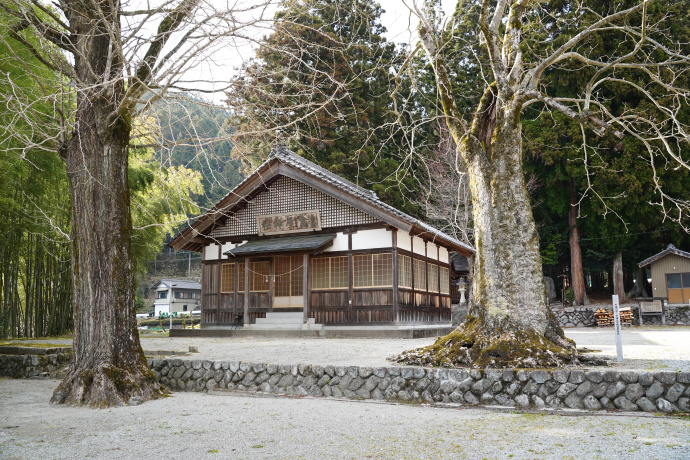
177, 296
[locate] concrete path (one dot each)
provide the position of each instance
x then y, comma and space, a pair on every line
238, 426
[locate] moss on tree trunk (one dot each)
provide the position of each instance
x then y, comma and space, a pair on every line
108, 366
509, 322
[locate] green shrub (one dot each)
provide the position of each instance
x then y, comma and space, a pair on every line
569, 295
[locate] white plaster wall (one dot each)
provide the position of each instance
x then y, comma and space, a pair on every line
339, 243
418, 245
226, 247
161, 308
431, 251
211, 252
372, 239
404, 241
443, 255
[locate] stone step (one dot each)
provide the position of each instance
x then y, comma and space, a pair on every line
284, 314
276, 326
275, 318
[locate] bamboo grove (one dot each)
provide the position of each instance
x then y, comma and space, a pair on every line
36, 284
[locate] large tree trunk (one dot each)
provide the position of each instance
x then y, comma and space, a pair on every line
640, 288
577, 278
509, 321
108, 366
618, 285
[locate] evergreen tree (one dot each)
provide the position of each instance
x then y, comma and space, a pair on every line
320, 84
509, 322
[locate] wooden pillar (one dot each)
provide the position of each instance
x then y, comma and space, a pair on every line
235, 286
246, 291
438, 270
412, 273
350, 277
305, 288
394, 244
271, 283
426, 265
219, 274
428, 302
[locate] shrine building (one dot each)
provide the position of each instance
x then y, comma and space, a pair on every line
297, 246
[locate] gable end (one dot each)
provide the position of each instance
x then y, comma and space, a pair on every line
289, 195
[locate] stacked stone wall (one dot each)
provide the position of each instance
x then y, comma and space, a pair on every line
576, 389
575, 316
584, 316
674, 316
39, 363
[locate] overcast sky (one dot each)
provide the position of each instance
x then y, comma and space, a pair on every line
400, 23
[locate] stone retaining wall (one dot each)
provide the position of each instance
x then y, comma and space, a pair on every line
674, 316
575, 316
25, 362
584, 316
576, 389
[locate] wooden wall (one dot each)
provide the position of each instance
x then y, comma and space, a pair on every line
351, 306
228, 308
672, 263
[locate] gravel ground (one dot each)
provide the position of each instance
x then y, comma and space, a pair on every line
238, 426
644, 348
235, 425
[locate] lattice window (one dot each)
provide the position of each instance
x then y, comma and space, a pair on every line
320, 273
373, 270
419, 275
329, 273
383, 269
227, 278
404, 271
289, 276
432, 275
339, 272
444, 280
258, 276
362, 270
289, 195
240, 275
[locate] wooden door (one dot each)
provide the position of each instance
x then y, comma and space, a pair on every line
288, 285
675, 288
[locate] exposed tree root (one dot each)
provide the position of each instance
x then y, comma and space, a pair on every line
473, 345
106, 386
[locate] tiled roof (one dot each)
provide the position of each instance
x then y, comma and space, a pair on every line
459, 262
290, 158
179, 284
293, 160
670, 249
293, 243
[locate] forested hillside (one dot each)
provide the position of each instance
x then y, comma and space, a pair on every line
326, 82
196, 135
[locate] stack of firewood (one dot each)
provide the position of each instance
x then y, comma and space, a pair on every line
605, 317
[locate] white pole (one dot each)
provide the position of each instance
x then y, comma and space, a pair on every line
617, 327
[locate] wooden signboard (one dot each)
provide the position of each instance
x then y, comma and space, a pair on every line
290, 222
651, 307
